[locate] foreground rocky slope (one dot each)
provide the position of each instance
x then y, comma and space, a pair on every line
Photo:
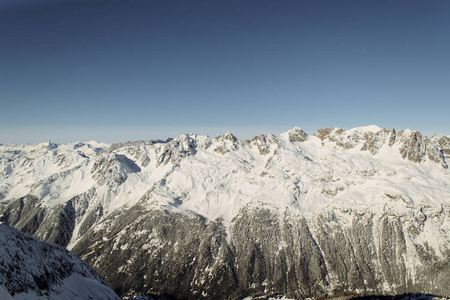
32, 269
363, 210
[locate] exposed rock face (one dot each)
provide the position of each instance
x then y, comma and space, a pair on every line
33, 269
367, 140
373, 142
264, 143
411, 144
176, 149
443, 143
364, 211
416, 148
297, 135
113, 169
226, 143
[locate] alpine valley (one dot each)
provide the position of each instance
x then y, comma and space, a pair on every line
356, 212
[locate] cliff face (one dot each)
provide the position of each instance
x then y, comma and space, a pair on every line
363, 210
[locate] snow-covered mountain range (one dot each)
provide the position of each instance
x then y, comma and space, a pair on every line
364, 210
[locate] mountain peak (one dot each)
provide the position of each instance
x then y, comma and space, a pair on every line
368, 128
295, 134
227, 136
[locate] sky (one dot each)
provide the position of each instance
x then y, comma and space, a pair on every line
111, 70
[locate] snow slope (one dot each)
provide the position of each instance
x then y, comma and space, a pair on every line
32, 269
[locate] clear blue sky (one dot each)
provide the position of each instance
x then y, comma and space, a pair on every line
114, 70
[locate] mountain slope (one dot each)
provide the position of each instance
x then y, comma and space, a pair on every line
32, 269
363, 210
